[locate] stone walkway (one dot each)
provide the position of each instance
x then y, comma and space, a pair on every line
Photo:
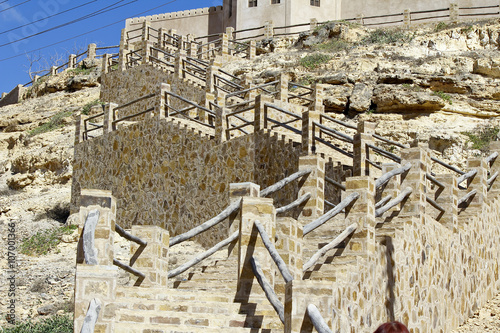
485, 320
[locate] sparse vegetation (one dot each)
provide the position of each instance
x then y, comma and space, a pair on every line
80, 71
481, 137
54, 123
313, 61
334, 45
440, 26
443, 96
386, 36
89, 105
412, 87
44, 241
55, 324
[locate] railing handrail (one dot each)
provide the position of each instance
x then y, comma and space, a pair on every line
268, 289
335, 183
397, 144
277, 108
331, 213
334, 243
285, 181
182, 268
131, 270
466, 197
336, 134
385, 153
446, 165
340, 122
317, 319
135, 101
282, 267
252, 88
491, 157
388, 175
294, 204
120, 231
466, 176
406, 192
233, 207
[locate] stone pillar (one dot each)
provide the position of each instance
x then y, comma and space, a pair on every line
283, 87
145, 30
392, 187
220, 119
260, 116
166, 88
308, 132
123, 40
96, 281
478, 183
314, 183
193, 49
313, 25
416, 178
230, 33
122, 59
162, 97
71, 61
109, 117
289, 243
53, 70
161, 37
253, 50
105, 63
317, 96
79, 128
151, 260
406, 18
250, 244
495, 167
225, 48
447, 198
210, 79
361, 152
268, 29
360, 19
454, 12
91, 51
299, 294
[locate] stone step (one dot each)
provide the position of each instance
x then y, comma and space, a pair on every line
168, 294
150, 328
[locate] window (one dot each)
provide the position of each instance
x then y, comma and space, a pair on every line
275, 1
252, 3
315, 3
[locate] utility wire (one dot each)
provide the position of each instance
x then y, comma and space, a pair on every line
83, 34
47, 17
3, 2
19, 4
99, 12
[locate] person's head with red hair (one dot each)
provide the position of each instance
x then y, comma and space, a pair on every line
392, 327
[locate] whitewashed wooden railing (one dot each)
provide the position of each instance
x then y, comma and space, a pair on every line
317, 319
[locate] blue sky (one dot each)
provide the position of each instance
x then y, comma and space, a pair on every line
20, 19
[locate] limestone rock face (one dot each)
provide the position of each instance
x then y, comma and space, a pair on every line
488, 66
361, 97
391, 98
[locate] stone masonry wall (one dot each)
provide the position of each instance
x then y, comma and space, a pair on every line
123, 87
172, 177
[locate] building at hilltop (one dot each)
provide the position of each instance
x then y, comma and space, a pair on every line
250, 14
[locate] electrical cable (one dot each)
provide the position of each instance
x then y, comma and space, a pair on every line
100, 11
47, 17
85, 33
19, 4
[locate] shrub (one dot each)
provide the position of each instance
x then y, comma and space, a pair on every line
440, 26
55, 324
54, 123
481, 137
382, 36
334, 45
314, 60
44, 241
444, 96
80, 71
89, 105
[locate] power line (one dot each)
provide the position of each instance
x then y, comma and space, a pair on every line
83, 34
99, 12
19, 4
47, 17
3, 2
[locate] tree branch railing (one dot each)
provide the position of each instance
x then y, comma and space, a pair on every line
490, 180
446, 165
95, 127
294, 204
240, 92
131, 270
120, 231
383, 201
232, 208
466, 197
384, 153
282, 267
189, 67
317, 319
191, 106
90, 320
336, 135
335, 183
117, 120
402, 196
133, 58
330, 214
388, 175
397, 144
466, 176
301, 96
333, 244
199, 258
435, 204
435, 181
237, 114
282, 183
268, 289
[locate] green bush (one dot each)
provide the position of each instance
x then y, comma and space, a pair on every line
55, 324
44, 241
334, 45
383, 36
89, 105
440, 26
314, 60
54, 123
444, 96
481, 137
80, 71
